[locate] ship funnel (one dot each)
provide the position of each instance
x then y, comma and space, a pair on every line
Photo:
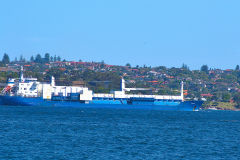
52, 81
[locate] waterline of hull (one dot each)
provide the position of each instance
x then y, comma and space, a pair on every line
175, 106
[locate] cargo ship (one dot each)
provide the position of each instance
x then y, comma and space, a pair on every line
30, 92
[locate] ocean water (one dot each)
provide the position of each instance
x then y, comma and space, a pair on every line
78, 133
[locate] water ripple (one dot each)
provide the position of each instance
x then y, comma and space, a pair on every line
77, 133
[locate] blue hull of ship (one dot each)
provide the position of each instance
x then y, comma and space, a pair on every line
157, 105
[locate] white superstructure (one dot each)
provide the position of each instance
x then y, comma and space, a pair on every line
30, 87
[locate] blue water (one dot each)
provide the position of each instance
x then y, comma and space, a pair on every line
77, 133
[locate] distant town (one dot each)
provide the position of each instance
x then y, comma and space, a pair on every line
219, 89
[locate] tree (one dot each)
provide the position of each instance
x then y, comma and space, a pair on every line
47, 58
58, 58
226, 97
128, 65
21, 58
55, 58
102, 64
216, 96
38, 58
32, 59
184, 66
5, 59
204, 68
237, 68
236, 99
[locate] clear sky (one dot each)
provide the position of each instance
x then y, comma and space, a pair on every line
151, 32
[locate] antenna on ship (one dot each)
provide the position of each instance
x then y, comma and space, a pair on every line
182, 95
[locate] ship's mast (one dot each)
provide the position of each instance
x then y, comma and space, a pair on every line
123, 86
52, 81
182, 95
21, 75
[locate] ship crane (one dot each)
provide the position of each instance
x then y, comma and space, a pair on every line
99, 82
124, 89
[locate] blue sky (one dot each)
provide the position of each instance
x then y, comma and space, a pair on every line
151, 32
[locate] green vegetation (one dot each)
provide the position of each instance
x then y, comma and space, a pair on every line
220, 105
212, 85
5, 59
